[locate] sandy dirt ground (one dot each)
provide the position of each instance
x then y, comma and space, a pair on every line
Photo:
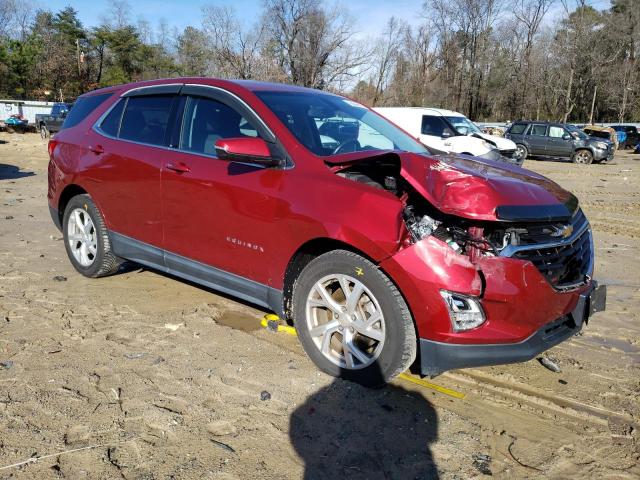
143, 376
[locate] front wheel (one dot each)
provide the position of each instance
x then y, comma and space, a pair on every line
351, 319
521, 153
583, 157
86, 239
44, 132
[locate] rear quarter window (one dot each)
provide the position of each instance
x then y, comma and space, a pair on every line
82, 108
517, 128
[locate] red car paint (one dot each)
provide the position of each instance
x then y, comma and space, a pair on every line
172, 200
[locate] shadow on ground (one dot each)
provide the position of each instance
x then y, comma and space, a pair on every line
11, 172
348, 431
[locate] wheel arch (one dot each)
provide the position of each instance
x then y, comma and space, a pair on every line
67, 194
314, 248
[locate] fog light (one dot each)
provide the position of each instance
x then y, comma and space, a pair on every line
465, 312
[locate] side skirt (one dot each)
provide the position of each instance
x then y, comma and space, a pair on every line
230, 283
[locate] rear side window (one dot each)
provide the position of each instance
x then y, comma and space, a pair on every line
111, 124
145, 119
432, 126
538, 130
517, 128
206, 121
82, 108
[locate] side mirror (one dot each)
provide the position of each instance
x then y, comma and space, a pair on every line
446, 134
566, 136
247, 150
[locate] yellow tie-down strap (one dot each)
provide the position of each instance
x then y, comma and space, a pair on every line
272, 322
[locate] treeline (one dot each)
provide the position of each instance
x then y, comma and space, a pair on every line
491, 59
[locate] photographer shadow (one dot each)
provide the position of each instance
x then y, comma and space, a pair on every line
346, 430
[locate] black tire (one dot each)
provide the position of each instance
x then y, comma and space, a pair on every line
520, 154
399, 348
44, 132
104, 262
582, 157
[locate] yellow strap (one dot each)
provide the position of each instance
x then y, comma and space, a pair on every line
270, 317
432, 386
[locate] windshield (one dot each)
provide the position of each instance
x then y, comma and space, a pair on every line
576, 132
463, 122
330, 125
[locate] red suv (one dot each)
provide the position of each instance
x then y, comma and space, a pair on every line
315, 207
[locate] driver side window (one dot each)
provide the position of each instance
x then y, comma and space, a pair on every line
205, 121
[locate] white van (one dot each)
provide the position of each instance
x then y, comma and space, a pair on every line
450, 132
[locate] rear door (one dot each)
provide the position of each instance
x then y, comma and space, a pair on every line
557, 146
536, 139
131, 148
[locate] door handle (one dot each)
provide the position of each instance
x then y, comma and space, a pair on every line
97, 149
178, 168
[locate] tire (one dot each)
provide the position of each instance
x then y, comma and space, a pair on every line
371, 361
44, 132
521, 153
583, 157
97, 260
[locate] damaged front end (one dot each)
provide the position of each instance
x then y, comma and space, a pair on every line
495, 262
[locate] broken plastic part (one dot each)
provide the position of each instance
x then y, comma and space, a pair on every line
465, 312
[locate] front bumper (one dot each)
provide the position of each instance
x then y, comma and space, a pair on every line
600, 154
437, 357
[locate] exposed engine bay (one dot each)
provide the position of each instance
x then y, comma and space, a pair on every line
562, 266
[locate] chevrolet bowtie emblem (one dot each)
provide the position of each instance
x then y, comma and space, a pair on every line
564, 232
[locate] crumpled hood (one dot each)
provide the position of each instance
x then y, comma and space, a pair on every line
480, 189
485, 190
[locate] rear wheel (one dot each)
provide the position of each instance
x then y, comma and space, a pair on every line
351, 319
521, 153
583, 157
86, 239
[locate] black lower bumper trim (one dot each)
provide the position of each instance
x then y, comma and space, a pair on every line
438, 357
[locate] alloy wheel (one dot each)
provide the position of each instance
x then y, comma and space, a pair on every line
81, 234
345, 321
583, 157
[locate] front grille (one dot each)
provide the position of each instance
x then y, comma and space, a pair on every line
507, 153
564, 265
540, 234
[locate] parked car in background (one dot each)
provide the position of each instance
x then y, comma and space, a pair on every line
631, 137
16, 123
451, 132
598, 131
49, 124
558, 140
374, 248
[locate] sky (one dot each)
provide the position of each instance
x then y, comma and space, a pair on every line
370, 15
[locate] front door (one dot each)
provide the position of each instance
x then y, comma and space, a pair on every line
557, 145
220, 214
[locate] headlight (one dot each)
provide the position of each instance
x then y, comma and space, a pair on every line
602, 145
465, 312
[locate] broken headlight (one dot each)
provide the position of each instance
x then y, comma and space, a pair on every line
465, 312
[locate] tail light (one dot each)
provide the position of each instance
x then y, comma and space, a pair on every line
52, 147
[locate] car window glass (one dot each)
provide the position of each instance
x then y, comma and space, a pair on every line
518, 128
327, 124
145, 119
206, 121
555, 132
539, 130
83, 107
433, 126
111, 124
